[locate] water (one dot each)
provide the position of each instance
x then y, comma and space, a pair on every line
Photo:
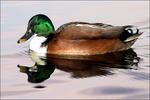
123, 75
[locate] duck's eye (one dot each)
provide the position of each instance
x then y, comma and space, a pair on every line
32, 30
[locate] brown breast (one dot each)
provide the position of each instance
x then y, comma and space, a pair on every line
85, 47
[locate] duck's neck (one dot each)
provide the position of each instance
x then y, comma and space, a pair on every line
35, 44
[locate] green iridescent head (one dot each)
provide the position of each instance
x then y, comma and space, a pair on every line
39, 24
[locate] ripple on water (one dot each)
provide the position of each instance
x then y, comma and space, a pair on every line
15, 55
111, 90
17, 92
39, 86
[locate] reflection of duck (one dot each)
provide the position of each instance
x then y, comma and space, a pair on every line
38, 72
96, 65
78, 38
80, 66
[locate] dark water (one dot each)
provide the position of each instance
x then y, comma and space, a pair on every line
120, 75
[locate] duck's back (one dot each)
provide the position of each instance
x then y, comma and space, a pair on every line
82, 30
79, 38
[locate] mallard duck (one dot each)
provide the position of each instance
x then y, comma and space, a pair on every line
78, 38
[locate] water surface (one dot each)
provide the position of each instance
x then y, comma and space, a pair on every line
123, 75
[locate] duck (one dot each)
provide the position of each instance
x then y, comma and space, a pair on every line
77, 38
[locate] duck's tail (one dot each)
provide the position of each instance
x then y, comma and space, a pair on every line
130, 34
133, 37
